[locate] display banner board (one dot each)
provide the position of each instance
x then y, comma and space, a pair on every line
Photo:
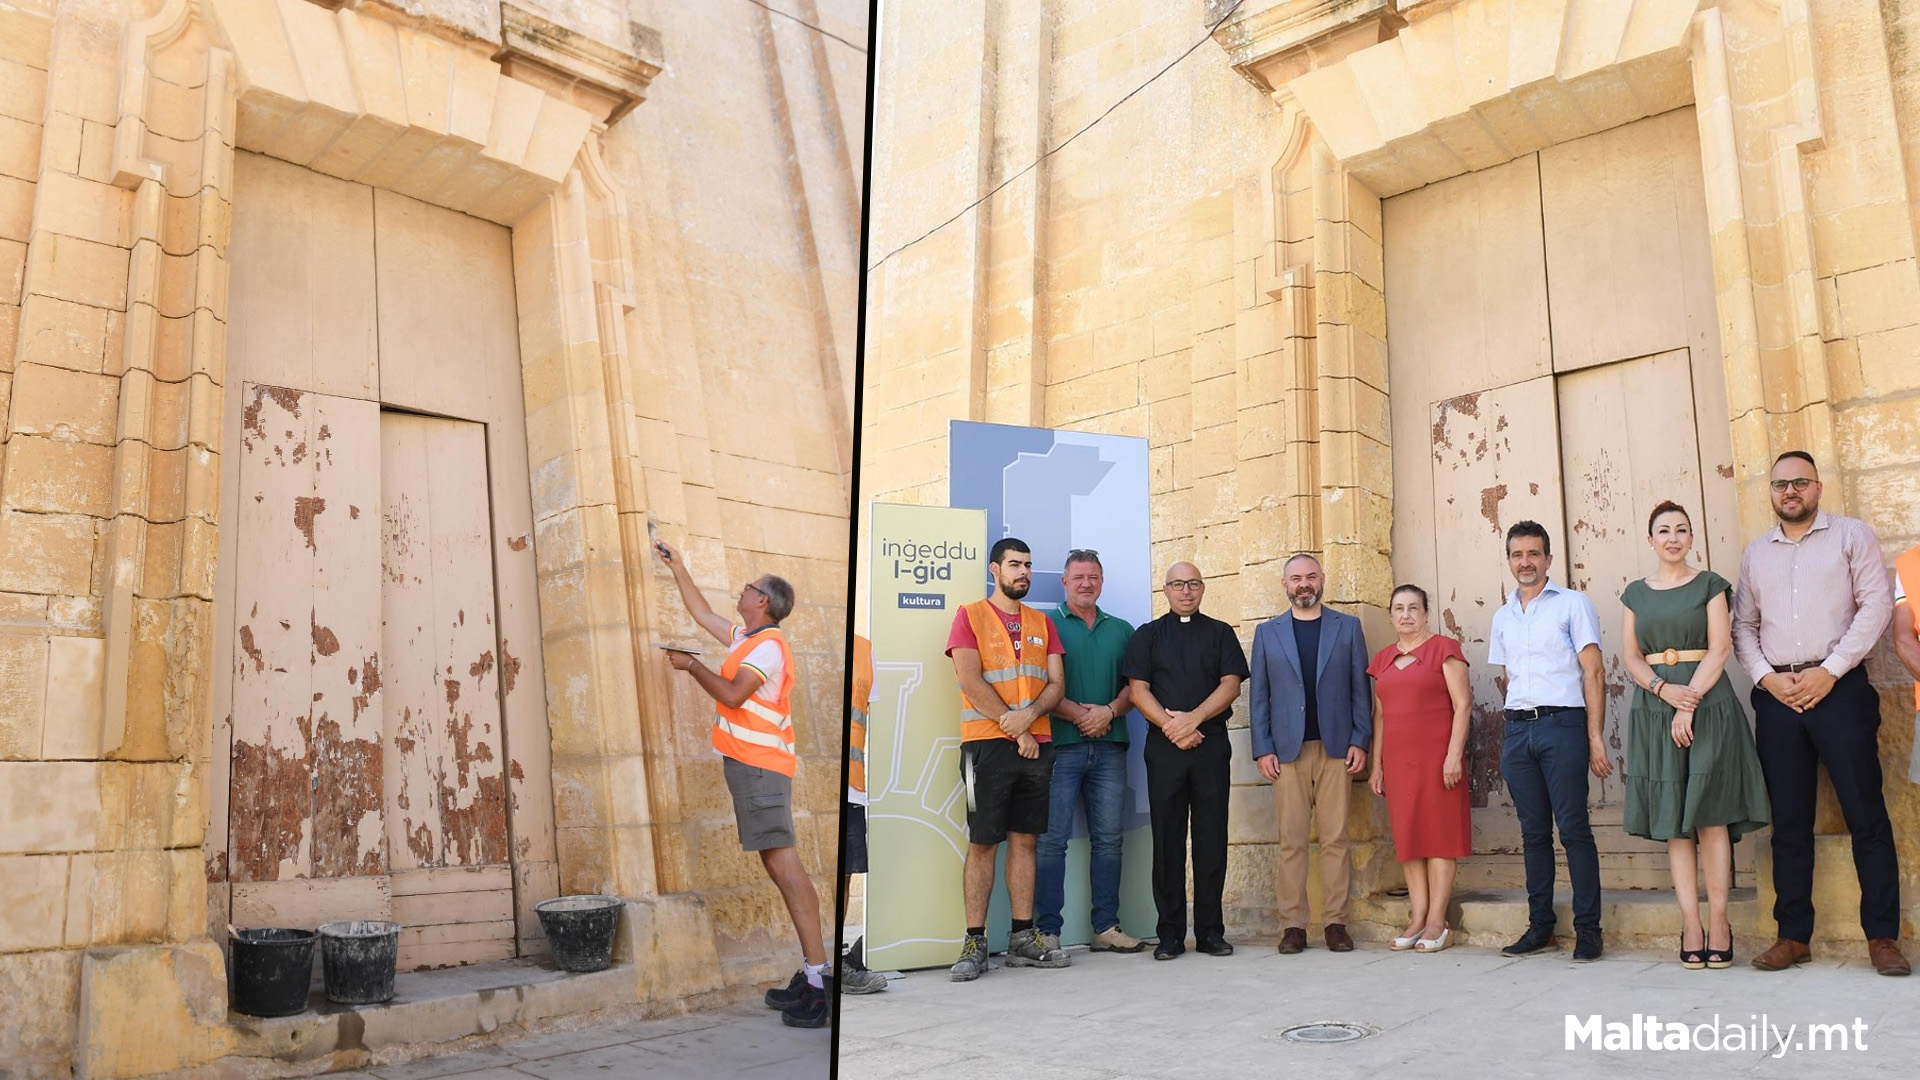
1059, 490
925, 562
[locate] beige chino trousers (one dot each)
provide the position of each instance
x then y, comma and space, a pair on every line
1312, 795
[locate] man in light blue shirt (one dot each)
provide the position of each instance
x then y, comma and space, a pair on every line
1548, 639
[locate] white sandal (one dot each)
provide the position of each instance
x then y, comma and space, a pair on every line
1432, 945
1402, 944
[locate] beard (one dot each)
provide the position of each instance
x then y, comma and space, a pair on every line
1806, 511
1305, 598
1014, 590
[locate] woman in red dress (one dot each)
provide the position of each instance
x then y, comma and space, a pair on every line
1419, 747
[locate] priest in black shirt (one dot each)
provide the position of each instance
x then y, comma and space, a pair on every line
1185, 670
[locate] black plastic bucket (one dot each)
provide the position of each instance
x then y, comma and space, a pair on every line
581, 929
358, 956
272, 971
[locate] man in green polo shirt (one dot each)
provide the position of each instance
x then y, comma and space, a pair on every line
1089, 757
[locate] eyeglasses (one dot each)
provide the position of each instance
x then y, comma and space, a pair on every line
1190, 583
1798, 483
759, 590
1076, 554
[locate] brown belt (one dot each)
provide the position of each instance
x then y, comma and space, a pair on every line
1795, 669
1676, 656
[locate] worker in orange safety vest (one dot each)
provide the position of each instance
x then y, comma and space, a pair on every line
752, 731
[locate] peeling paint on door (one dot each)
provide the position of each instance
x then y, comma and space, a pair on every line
305, 796
1612, 419
1473, 579
443, 670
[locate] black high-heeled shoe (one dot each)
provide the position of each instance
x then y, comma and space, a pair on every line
1721, 958
1693, 959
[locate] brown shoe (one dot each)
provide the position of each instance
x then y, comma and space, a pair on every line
1886, 957
1337, 938
1294, 940
1783, 955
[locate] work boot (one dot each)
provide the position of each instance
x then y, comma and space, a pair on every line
811, 1011
973, 960
786, 997
1031, 948
862, 981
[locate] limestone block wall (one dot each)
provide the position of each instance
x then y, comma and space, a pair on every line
674, 272
1203, 268
741, 175
1145, 281
100, 840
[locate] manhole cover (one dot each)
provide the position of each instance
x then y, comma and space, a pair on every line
1326, 1031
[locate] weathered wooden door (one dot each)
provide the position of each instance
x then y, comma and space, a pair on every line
1606, 412
1555, 356
368, 762
1487, 475
377, 589
306, 837
446, 826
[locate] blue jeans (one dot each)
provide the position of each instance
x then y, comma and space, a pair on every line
1097, 771
1544, 763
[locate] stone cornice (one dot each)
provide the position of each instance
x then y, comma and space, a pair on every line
1269, 41
604, 79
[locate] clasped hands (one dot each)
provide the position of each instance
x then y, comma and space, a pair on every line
1016, 722
1684, 699
1801, 690
1182, 729
1096, 721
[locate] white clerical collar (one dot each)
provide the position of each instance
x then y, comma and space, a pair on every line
1186, 618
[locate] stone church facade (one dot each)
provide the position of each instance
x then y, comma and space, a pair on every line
1378, 278
418, 316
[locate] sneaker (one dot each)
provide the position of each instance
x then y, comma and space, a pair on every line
1535, 939
862, 981
811, 1011
786, 997
1114, 939
1031, 948
1586, 945
973, 960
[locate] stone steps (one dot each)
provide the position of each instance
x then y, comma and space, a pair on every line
1618, 870
1640, 919
447, 1011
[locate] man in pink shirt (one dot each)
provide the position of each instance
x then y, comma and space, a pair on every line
1812, 602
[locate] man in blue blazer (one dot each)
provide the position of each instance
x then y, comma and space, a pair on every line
1312, 720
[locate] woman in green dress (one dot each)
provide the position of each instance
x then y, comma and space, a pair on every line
1693, 777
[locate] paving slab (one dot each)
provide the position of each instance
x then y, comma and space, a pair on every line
1461, 1012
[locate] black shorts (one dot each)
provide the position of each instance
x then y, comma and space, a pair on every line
1005, 792
854, 846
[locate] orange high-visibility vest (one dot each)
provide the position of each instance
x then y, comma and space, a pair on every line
1018, 684
1908, 567
760, 731
857, 732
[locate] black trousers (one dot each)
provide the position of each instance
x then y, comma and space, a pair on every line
1185, 785
1842, 733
